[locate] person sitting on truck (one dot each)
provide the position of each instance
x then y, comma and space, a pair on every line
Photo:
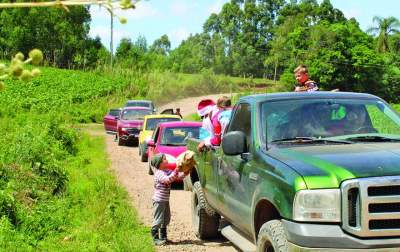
305, 84
216, 134
163, 178
203, 109
225, 115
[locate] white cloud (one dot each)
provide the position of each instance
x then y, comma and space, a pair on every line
216, 7
142, 10
351, 13
179, 8
178, 34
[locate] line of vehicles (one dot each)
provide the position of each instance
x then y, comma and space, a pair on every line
295, 172
139, 124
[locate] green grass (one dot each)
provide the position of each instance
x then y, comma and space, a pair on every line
101, 217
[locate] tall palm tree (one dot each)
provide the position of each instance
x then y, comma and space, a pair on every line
386, 26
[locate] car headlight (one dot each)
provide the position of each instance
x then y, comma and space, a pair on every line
124, 129
317, 205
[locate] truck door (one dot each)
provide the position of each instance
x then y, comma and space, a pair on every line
233, 173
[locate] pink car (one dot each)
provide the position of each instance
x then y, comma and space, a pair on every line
130, 122
170, 138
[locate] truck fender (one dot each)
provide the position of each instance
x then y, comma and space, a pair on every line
268, 205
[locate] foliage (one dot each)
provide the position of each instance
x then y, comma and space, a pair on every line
74, 95
385, 27
17, 67
56, 32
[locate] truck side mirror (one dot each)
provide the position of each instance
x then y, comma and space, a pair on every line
234, 143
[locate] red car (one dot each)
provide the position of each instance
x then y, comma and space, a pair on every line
170, 138
130, 123
110, 120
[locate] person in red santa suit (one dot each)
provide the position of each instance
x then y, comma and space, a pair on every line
213, 126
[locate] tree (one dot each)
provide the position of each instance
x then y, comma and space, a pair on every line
161, 45
385, 27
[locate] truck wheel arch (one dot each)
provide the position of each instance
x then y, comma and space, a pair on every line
264, 212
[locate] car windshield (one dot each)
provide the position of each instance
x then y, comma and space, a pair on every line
114, 112
333, 118
131, 114
178, 136
151, 123
138, 104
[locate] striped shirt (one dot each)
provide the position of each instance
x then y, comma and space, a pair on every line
162, 184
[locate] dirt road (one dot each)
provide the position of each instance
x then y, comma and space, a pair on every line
133, 175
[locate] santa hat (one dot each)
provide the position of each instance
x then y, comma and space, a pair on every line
205, 107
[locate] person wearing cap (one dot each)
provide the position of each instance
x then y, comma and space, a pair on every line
163, 178
203, 110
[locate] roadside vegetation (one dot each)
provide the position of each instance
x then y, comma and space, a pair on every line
56, 192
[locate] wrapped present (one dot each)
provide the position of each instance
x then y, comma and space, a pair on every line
185, 161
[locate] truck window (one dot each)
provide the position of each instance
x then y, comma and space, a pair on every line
241, 120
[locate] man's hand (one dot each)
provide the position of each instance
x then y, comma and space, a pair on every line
200, 146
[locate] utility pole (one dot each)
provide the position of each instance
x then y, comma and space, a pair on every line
112, 38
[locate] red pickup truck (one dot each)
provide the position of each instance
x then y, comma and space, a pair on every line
130, 122
110, 120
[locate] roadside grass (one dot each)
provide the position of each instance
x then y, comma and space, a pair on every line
102, 219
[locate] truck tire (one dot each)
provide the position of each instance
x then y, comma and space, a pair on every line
143, 153
120, 142
272, 237
150, 170
143, 157
205, 220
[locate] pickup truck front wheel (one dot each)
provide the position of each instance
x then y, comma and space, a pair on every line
121, 142
272, 237
205, 219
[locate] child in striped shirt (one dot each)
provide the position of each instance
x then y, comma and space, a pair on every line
163, 178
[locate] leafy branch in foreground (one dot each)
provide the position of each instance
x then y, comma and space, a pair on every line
16, 67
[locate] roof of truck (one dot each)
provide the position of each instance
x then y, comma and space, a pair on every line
306, 95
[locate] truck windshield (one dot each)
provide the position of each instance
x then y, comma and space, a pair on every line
335, 118
178, 136
151, 123
138, 104
131, 114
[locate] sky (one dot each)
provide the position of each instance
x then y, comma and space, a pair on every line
180, 18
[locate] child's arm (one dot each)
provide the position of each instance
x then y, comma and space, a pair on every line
181, 175
166, 179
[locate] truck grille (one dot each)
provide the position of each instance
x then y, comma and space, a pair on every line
371, 206
132, 131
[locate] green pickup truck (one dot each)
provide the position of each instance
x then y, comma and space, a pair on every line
302, 172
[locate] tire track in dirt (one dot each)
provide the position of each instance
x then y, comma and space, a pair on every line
133, 175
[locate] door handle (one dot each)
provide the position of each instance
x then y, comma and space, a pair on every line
253, 176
